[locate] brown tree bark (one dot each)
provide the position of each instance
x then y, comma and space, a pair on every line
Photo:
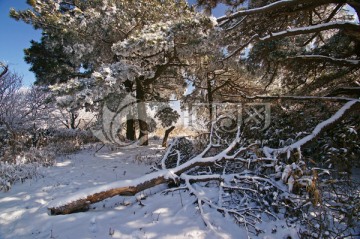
142, 115
166, 136
83, 204
130, 127
147, 181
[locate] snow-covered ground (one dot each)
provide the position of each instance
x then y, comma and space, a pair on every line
23, 209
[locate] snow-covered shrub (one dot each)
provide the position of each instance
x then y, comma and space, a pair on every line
65, 141
255, 189
43, 157
24, 151
12, 173
335, 148
24, 166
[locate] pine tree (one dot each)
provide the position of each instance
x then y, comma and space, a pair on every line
145, 42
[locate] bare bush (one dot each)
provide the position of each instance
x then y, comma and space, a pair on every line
66, 141
10, 84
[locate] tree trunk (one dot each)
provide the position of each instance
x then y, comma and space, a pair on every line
73, 118
130, 127
142, 115
210, 101
167, 133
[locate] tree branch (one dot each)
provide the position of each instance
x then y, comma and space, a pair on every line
293, 97
346, 91
266, 8
253, 38
326, 58
331, 16
351, 105
347, 26
274, 7
5, 69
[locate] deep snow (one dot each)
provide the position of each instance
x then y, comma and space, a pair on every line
23, 210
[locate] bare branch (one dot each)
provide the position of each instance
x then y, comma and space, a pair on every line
4, 71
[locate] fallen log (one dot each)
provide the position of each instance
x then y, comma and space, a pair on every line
81, 201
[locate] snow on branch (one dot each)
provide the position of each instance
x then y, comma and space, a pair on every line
293, 97
5, 69
327, 58
232, 179
349, 26
311, 29
243, 215
267, 8
317, 130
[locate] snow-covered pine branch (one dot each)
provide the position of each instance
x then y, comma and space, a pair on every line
351, 105
351, 27
255, 37
321, 58
266, 8
294, 97
347, 26
275, 6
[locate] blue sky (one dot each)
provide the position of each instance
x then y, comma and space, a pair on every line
15, 37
